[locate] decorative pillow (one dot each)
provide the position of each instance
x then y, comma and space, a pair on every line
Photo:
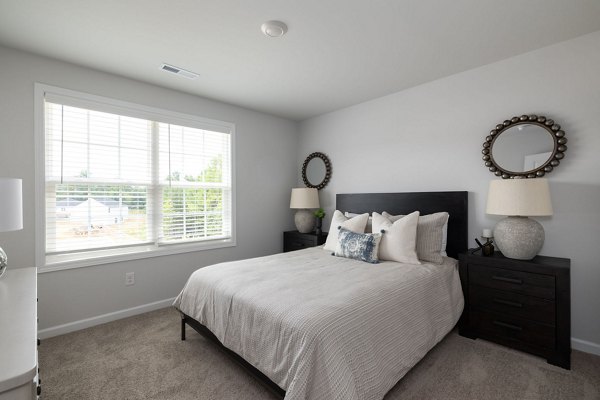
356, 224
358, 246
400, 239
430, 235
368, 228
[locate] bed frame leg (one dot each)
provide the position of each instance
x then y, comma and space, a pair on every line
182, 328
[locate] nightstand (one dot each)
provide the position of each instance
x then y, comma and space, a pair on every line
525, 305
294, 240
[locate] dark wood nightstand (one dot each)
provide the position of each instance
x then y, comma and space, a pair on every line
294, 240
525, 305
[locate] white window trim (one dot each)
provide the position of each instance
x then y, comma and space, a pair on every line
97, 257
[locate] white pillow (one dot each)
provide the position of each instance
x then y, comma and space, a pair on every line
399, 242
444, 228
432, 233
356, 224
369, 227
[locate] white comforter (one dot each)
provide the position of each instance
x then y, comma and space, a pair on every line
325, 327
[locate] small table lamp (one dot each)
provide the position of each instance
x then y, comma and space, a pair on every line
518, 236
11, 211
303, 199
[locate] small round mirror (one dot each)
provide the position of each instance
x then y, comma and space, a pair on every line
316, 170
528, 146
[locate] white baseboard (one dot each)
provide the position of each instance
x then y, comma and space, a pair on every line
585, 346
101, 319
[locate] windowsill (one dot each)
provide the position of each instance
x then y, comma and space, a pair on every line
108, 256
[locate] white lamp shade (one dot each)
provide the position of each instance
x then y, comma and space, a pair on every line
11, 204
519, 197
304, 198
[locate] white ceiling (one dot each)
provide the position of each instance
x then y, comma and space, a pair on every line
336, 52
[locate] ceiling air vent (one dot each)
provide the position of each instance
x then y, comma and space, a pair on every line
179, 71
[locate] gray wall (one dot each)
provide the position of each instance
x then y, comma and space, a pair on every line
265, 145
429, 138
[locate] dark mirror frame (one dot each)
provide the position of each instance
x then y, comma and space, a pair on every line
325, 180
558, 135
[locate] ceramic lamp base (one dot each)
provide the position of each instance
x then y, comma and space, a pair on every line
305, 221
520, 238
3, 262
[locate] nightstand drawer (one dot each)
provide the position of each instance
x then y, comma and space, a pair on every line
294, 240
300, 243
513, 304
514, 330
538, 285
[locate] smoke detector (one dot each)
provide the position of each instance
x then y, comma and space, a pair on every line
179, 71
274, 28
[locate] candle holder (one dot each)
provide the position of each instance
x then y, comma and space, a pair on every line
487, 248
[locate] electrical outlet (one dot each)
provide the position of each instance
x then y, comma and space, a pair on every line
129, 278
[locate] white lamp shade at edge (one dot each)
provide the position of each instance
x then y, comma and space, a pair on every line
304, 198
519, 197
11, 204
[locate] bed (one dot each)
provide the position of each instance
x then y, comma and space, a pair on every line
313, 326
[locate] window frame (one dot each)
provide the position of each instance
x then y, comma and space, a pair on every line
78, 259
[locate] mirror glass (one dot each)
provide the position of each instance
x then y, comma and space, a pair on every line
316, 171
523, 148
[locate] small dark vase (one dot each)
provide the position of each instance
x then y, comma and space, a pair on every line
318, 226
488, 248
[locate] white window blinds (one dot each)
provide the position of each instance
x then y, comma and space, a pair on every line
196, 180
114, 180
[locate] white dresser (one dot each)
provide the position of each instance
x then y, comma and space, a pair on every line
18, 335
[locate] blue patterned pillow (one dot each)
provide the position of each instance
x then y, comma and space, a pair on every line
358, 246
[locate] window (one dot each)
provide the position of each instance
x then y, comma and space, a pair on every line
121, 179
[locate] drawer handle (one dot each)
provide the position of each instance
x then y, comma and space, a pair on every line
508, 303
505, 279
509, 326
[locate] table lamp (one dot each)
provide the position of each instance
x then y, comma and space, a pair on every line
303, 199
11, 211
518, 236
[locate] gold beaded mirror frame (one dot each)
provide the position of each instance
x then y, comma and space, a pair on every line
528, 146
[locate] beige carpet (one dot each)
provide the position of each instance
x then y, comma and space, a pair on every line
142, 357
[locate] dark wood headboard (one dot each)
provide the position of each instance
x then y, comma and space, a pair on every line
455, 203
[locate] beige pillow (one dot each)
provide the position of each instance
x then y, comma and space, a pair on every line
356, 224
444, 229
430, 235
400, 238
368, 228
